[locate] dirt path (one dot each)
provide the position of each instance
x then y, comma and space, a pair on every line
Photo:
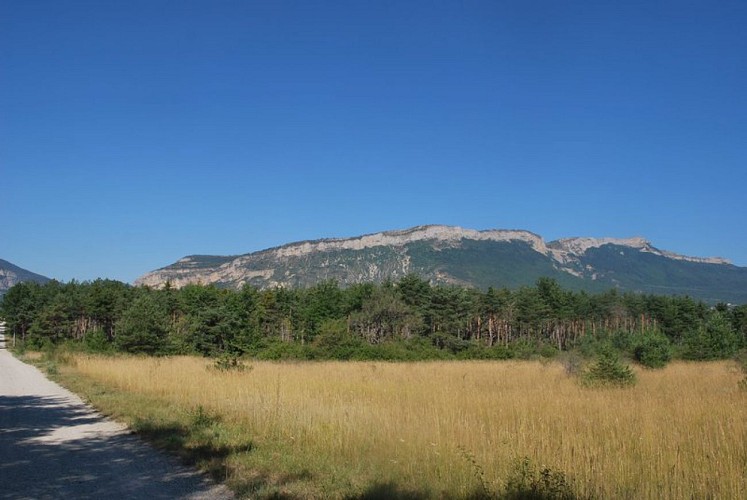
52, 445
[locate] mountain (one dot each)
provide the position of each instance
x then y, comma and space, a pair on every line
453, 255
11, 274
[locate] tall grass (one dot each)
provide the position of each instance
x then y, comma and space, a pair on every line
454, 429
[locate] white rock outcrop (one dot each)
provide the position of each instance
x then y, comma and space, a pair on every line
241, 269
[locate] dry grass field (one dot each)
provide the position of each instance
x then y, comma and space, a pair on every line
443, 429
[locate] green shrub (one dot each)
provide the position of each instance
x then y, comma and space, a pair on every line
538, 483
480, 351
623, 340
416, 349
229, 362
547, 350
716, 339
450, 343
334, 341
522, 349
96, 341
588, 346
608, 370
199, 417
653, 350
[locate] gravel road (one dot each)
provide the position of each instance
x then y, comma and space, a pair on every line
53, 445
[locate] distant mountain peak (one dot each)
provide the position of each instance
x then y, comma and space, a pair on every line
10, 274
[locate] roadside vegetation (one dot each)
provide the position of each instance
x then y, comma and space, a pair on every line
471, 429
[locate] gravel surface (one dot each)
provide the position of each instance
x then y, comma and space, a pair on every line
53, 445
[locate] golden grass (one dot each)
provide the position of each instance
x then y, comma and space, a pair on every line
445, 429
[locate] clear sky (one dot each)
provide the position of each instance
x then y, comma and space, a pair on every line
133, 133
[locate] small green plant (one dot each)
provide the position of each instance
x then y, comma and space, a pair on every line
538, 483
202, 418
230, 362
51, 368
608, 370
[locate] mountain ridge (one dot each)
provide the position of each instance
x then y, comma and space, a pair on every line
455, 255
574, 245
10, 274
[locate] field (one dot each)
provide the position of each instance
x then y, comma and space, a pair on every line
435, 429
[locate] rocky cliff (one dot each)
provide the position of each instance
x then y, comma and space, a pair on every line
454, 255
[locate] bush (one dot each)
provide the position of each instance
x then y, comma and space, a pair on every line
522, 349
548, 351
97, 342
531, 482
229, 362
450, 343
588, 346
608, 370
653, 350
479, 351
416, 349
334, 341
714, 340
279, 350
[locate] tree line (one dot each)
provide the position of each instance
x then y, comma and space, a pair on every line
407, 319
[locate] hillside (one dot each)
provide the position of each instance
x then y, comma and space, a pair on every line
453, 255
10, 274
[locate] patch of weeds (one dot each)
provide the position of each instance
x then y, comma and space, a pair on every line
198, 441
18, 348
201, 418
573, 363
51, 358
483, 491
387, 491
530, 482
230, 362
741, 359
527, 481
51, 368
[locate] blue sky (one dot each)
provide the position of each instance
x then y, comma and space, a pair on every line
134, 133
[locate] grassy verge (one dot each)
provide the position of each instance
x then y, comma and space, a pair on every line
432, 430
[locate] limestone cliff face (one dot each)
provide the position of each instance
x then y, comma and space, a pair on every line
454, 255
372, 257
576, 247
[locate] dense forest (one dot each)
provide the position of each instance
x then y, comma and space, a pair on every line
408, 319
